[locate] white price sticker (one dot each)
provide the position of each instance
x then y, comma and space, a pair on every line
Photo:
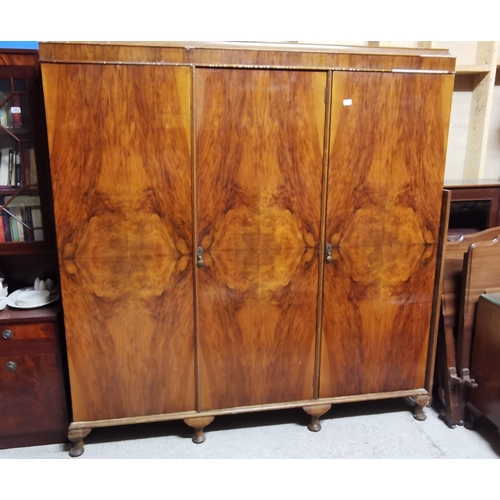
347, 102
15, 110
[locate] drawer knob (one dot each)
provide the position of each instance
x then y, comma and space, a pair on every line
7, 334
11, 366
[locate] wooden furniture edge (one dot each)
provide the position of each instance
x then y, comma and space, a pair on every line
471, 183
250, 55
269, 46
19, 57
245, 409
438, 287
463, 354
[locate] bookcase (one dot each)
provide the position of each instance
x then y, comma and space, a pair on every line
27, 240
33, 408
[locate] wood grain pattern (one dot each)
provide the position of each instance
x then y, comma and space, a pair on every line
32, 406
453, 273
455, 250
486, 353
384, 206
45, 331
274, 55
13, 57
481, 274
437, 292
259, 150
119, 141
15, 316
445, 358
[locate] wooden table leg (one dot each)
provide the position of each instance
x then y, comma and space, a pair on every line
76, 436
198, 423
316, 412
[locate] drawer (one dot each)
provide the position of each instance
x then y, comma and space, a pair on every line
31, 396
35, 331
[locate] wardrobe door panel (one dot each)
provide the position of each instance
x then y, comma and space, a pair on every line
259, 155
119, 138
387, 154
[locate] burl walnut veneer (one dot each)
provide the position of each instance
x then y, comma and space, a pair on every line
245, 227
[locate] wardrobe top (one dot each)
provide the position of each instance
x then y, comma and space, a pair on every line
251, 55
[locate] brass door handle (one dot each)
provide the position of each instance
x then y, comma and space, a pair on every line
329, 257
199, 253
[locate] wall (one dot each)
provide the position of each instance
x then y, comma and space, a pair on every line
18, 45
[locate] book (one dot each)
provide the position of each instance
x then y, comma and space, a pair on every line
33, 170
18, 212
13, 229
36, 214
4, 118
19, 174
6, 225
4, 110
15, 110
25, 219
29, 221
11, 167
2, 231
4, 167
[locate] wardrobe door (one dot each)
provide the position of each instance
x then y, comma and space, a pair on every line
387, 153
119, 139
259, 155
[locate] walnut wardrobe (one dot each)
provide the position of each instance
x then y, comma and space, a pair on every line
245, 227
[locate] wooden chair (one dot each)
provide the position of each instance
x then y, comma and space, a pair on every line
485, 368
453, 377
481, 275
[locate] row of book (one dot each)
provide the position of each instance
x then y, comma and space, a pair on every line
11, 168
21, 219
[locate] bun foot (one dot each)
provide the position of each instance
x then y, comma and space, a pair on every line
76, 436
316, 412
420, 402
198, 424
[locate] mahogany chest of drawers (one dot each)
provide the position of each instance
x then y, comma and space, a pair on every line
33, 408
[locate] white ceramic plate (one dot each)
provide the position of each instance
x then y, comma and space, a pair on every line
11, 300
33, 298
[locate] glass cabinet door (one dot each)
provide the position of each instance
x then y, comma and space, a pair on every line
20, 214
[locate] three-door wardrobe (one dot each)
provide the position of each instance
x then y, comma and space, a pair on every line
245, 227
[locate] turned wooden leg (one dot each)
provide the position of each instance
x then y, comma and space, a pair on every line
471, 414
198, 423
76, 436
316, 412
420, 402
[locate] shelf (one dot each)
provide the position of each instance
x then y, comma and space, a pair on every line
471, 183
20, 190
16, 132
472, 69
45, 313
25, 248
